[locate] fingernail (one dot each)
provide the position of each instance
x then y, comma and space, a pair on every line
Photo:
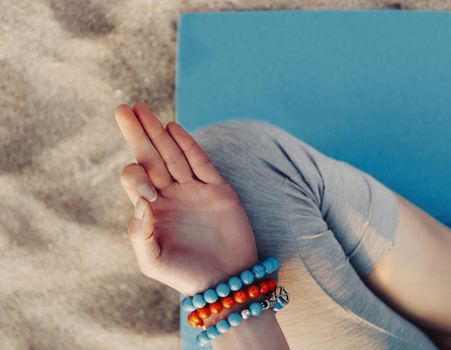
140, 207
147, 192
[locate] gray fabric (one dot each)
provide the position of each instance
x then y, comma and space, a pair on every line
327, 222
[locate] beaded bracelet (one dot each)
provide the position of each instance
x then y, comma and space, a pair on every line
196, 317
211, 295
278, 300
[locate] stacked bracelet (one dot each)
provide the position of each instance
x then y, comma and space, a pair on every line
277, 300
265, 267
249, 284
196, 317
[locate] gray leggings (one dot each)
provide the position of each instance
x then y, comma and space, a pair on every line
328, 223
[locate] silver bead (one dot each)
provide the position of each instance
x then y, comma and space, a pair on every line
266, 304
245, 314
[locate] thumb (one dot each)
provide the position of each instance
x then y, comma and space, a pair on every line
140, 231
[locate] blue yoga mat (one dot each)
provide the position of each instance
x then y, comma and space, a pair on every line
372, 88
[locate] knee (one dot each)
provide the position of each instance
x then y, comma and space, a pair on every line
245, 145
234, 132
248, 153
240, 149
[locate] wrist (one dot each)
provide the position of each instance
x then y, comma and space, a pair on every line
226, 271
245, 294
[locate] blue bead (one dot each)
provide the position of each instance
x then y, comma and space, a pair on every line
212, 332
247, 277
210, 296
256, 309
267, 264
187, 304
275, 262
259, 271
199, 301
235, 283
234, 319
203, 339
222, 289
223, 326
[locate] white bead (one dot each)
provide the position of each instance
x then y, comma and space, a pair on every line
245, 314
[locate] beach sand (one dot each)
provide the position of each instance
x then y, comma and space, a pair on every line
68, 277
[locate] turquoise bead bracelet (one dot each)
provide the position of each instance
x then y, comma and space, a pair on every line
278, 300
247, 277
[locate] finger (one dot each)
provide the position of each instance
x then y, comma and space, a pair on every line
141, 147
201, 165
163, 142
137, 183
140, 230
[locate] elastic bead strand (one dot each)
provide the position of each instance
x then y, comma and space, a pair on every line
238, 297
211, 295
275, 301
247, 278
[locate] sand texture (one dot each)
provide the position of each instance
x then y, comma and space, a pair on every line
68, 277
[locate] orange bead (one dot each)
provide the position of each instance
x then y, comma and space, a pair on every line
215, 308
253, 291
227, 302
204, 312
194, 320
240, 296
264, 287
271, 284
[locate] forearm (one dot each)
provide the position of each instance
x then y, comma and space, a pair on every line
261, 332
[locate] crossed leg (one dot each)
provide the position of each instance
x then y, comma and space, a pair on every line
335, 228
331, 225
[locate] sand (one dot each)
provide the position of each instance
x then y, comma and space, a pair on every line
68, 277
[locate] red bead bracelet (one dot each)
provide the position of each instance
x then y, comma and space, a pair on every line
196, 317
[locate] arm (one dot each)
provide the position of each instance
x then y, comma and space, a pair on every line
189, 230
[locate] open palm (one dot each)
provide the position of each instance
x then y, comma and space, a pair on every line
195, 232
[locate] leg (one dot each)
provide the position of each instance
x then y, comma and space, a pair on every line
414, 276
328, 223
404, 277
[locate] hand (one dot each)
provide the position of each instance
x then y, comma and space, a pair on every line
195, 232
